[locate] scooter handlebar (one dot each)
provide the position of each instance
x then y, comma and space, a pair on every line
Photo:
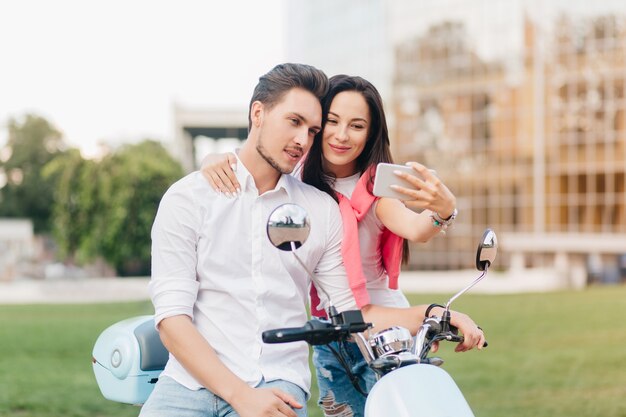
314, 332
461, 339
289, 334
451, 336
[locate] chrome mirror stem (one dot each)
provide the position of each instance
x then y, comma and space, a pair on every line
311, 276
418, 341
464, 290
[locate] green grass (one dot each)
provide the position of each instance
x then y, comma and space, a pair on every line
557, 355
45, 359
560, 354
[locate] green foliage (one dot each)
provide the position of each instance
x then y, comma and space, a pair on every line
33, 142
107, 208
95, 209
75, 204
135, 178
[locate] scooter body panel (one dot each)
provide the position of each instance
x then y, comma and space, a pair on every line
417, 391
128, 358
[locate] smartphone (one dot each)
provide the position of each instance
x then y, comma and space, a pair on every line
385, 177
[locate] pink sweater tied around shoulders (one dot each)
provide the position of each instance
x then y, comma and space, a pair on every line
353, 210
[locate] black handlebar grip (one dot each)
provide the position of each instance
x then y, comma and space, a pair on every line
359, 328
461, 339
289, 334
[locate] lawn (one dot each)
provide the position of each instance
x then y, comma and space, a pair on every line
557, 355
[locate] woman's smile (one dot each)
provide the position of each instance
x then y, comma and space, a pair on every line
339, 148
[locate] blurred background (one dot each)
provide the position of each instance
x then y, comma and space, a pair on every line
518, 105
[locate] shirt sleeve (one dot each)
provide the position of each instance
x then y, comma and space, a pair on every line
173, 285
330, 274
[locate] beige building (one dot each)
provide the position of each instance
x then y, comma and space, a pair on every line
199, 131
532, 142
16, 246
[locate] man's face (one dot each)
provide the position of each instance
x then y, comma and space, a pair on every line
286, 131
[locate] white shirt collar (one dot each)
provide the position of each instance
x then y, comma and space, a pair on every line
246, 179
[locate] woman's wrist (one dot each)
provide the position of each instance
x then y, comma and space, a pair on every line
441, 222
449, 210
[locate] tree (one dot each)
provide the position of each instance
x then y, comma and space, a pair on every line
32, 143
136, 177
107, 208
76, 204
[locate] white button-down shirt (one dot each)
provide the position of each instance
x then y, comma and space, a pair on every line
212, 260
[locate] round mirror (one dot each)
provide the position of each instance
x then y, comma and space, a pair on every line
288, 227
487, 250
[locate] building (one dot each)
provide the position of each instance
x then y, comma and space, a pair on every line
198, 132
341, 37
16, 246
519, 106
532, 144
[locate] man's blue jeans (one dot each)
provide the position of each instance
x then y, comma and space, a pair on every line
171, 399
338, 397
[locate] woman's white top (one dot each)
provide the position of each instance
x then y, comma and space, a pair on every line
370, 232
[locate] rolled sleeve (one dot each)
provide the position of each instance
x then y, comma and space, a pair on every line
173, 297
173, 286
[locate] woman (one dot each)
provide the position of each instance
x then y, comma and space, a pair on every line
341, 162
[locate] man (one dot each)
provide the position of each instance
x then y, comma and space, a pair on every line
217, 282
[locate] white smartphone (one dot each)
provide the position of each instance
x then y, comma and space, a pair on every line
385, 177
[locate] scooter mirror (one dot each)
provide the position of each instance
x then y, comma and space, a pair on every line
288, 227
487, 250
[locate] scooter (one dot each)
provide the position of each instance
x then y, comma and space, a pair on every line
409, 382
129, 356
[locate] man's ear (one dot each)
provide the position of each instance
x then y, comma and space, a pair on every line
257, 111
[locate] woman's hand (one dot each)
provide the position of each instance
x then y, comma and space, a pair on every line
431, 194
219, 171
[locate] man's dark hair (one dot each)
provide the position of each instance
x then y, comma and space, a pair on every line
282, 78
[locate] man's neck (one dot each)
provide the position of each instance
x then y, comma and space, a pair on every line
264, 175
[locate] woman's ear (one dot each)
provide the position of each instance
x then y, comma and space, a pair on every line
256, 113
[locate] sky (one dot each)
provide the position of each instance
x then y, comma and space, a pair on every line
112, 70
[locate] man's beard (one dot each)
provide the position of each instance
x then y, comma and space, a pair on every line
261, 150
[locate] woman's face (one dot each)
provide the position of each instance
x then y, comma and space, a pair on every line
345, 133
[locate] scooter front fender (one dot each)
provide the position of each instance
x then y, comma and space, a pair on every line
417, 391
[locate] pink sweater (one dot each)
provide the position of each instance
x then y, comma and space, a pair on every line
352, 211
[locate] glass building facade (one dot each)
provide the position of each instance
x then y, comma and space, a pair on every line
519, 106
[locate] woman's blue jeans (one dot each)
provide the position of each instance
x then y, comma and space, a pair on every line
338, 397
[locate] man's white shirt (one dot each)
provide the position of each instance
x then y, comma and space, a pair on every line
212, 261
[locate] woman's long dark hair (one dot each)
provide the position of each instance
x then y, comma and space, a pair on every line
377, 148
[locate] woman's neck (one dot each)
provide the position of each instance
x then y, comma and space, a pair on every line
340, 171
